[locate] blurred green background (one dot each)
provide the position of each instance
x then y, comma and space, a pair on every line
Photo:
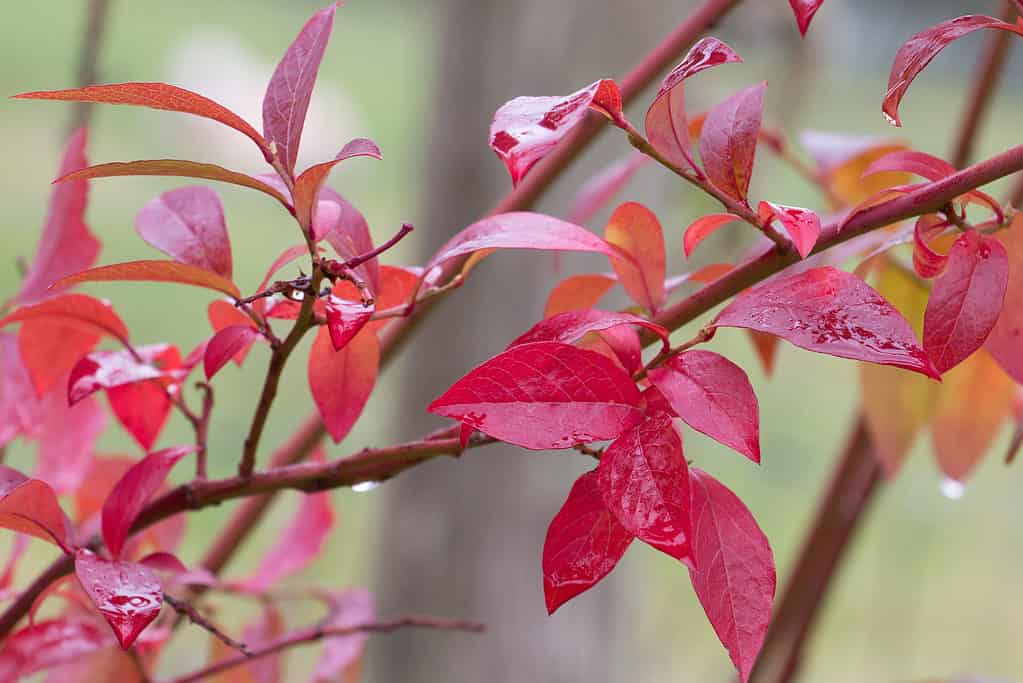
932, 584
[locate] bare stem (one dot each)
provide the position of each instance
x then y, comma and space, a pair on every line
88, 58
187, 610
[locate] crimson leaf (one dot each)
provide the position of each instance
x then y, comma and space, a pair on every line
29, 506
802, 225
804, 11
345, 319
108, 369
341, 381
228, 343
46, 644
830, 311
571, 326
584, 543
544, 395
728, 142
188, 225
127, 594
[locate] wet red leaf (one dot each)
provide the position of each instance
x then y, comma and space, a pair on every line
127, 594
47, 644
108, 369
802, 225
345, 319
728, 142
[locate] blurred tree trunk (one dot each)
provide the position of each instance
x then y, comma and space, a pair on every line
465, 537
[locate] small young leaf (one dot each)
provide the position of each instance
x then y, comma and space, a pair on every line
74, 308
802, 225
525, 129
578, 292
804, 11
345, 319
341, 381
130, 494
544, 395
229, 343
666, 123
635, 230
67, 245
48, 644
830, 311
965, 300
309, 183
702, 227
713, 396
291, 87
571, 326
734, 576
1006, 339
644, 480
127, 594
601, 188
154, 271
728, 143
584, 543
29, 506
188, 225
917, 52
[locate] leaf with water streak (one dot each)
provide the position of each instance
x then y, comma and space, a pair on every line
48, 644
127, 594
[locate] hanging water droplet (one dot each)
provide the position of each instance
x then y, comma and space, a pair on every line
952, 488
364, 486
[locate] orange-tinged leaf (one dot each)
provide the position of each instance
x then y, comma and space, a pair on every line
634, 229
49, 348
702, 227
154, 271
75, 308
30, 506
975, 398
846, 180
578, 292
766, 346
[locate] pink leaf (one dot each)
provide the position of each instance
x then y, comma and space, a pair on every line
734, 577
230, 342
635, 230
578, 292
127, 594
130, 494
804, 11
299, 544
544, 395
345, 319
67, 245
728, 143
1006, 339
965, 300
67, 441
348, 608
802, 225
291, 87
713, 396
644, 480
702, 227
29, 506
584, 543
188, 225
520, 230
310, 182
47, 644
918, 51
571, 326
75, 308
525, 129
919, 163
666, 124
601, 188
341, 381
51, 347
349, 236
830, 311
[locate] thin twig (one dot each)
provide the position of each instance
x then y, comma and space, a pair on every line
88, 57
187, 610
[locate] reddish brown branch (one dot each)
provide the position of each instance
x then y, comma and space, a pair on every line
315, 634
88, 58
185, 609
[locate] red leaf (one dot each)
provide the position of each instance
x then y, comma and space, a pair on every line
926, 261
666, 124
308, 185
188, 225
917, 52
348, 608
525, 129
29, 506
67, 441
713, 396
601, 188
734, 577
578, 292
223, 314
584, 543
291, 86
804, 11
341, 381
175, 168
46, 644
154, 96
830, 311
127, 594
728, 143
67, 245
703, 227
544, 395
154, 271
74, 308
345, 319
51, 347
802, 225
1006, 339
108, 369
919, 163
142, 408
133, 490
644, 480
230, 342
571, 326
634, 229
520, 230
299, 544
965, 300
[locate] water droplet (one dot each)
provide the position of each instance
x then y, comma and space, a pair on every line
890, 119
364, 486
952, 488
